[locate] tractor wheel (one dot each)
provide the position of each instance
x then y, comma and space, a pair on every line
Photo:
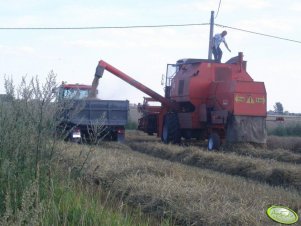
214, 141
171, 129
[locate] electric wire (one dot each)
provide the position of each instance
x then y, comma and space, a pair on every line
258, 33
148, 26
219, 5
103, 27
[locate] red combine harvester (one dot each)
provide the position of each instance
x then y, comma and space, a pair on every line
203, 100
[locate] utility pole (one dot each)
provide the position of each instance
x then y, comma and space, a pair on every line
211, 35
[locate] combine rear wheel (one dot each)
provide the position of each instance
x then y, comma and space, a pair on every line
171, 129
214, 141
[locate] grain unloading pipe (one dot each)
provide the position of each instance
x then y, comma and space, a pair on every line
102, 65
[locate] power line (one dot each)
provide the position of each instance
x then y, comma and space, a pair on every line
258, 33
102, 27
146, 26
219, 5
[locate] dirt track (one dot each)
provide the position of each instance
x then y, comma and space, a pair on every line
189, 184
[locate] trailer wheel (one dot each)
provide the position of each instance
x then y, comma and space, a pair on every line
171, 129
75, 140
120, 137
214, 142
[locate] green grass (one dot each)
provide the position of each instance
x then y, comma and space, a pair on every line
74, 203
286, 130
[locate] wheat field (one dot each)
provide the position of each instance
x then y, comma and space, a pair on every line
188, 184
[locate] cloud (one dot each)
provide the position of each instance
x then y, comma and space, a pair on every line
75, 13
226, 6
16, 5
78, 14
143, 38
92, 43
267, 25
247, 4
70, 13
295, 6
16, 50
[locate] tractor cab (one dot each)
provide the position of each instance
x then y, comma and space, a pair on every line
73, 91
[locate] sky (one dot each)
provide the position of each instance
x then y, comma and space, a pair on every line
144, 53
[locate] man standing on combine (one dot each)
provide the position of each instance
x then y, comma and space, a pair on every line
216, 50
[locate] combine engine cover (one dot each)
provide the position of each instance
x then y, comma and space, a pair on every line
245, 104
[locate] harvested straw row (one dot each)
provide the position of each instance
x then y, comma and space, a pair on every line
187, 195
268, 171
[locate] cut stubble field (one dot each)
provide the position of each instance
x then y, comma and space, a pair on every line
188, 184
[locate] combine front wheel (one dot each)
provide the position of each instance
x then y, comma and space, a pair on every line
214, 141
165, 133
171, 129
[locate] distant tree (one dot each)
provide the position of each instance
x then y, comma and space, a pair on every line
278, 108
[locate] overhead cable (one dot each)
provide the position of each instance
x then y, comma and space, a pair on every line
102, 27
146, 26
257, 33
219, 5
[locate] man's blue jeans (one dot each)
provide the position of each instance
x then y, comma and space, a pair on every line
217, 53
